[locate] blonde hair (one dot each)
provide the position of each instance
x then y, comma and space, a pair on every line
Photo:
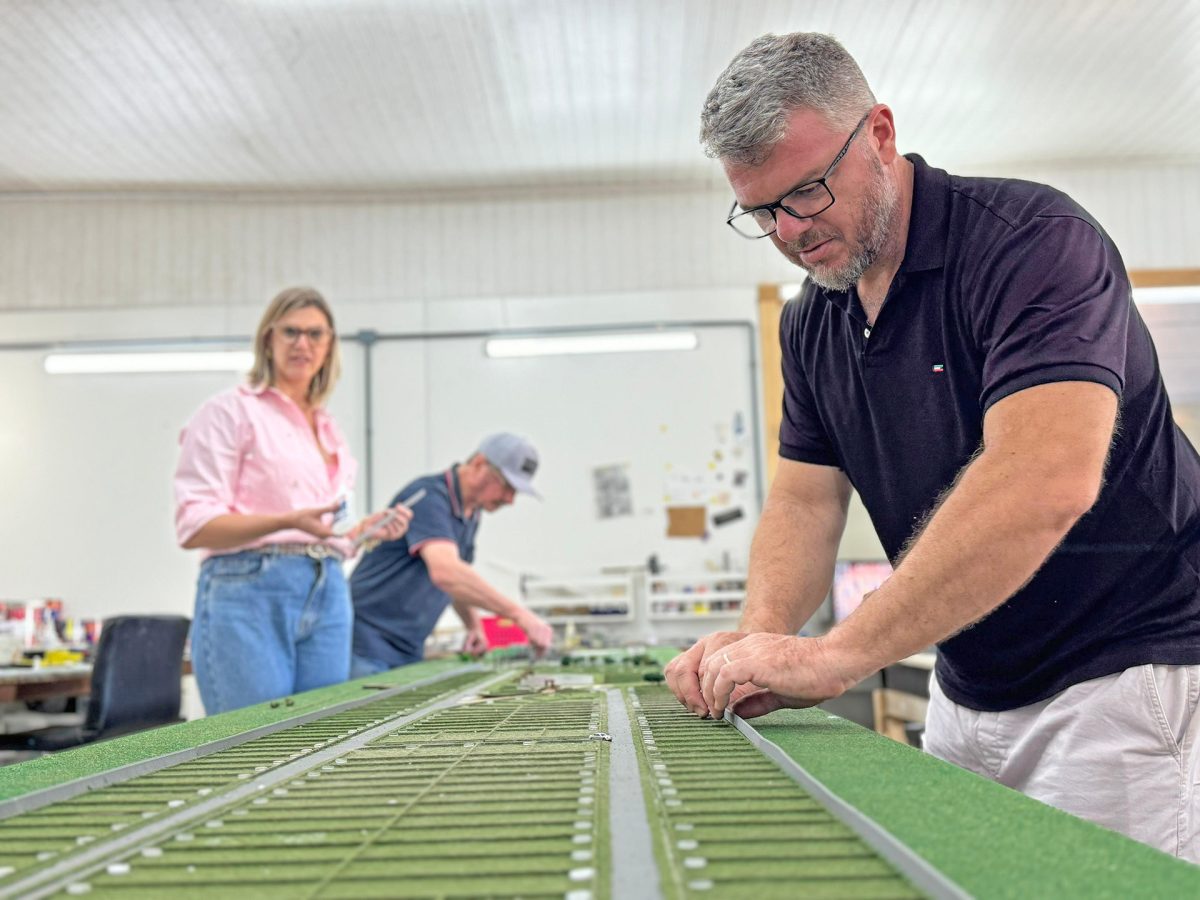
286, 301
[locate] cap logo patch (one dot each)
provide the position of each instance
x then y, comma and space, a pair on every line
529, 466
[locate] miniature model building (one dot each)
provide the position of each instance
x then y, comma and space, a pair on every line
579, 780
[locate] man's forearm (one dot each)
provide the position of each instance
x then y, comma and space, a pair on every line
791, 564
466, 612
992, 532
466, 587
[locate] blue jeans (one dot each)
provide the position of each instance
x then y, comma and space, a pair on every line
268, 625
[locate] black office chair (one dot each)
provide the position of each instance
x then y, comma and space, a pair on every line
135, 684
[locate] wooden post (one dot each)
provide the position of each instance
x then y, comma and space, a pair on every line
770, 306
893, 709
1164, 277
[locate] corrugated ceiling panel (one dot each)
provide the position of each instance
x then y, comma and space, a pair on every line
412, 94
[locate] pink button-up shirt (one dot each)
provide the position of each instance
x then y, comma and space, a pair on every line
251, 451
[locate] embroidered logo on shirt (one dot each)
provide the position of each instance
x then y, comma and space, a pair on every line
938, 368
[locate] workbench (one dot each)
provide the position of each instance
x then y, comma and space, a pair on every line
18, 683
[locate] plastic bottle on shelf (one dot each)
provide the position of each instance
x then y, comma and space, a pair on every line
570, 636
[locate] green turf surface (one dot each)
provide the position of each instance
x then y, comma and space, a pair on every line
92, 759
994, 842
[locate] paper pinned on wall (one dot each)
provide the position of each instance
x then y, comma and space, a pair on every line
614, 495
686, 521
685, 487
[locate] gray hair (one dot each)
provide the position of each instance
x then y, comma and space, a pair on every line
746, 112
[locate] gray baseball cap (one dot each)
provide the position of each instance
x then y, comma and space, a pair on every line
515, 458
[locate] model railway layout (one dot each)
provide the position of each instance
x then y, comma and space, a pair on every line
568, 783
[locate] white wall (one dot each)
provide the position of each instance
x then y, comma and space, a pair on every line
139, 252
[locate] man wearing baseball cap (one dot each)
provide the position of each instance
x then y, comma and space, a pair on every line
401, 588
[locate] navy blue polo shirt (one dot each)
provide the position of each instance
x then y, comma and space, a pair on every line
1005, 285
396, 605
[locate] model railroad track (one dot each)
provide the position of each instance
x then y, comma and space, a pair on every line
460, 788
497, 797
732, 823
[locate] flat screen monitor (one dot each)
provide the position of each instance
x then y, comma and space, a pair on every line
853, 579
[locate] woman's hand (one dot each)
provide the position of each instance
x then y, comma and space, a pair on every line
313, 520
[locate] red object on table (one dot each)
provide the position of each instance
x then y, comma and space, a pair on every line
501, 632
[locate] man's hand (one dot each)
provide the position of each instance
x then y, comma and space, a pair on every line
765, 672
475, 643
684, 672
389, 524
539, 632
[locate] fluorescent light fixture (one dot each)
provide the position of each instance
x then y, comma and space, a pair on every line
124, 362
613, 342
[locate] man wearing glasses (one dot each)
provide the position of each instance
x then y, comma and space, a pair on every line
401, 588
958, 356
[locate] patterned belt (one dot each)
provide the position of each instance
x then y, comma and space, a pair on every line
314, 551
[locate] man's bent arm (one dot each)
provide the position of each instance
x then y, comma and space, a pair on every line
466, 612
459, 579
794, 547
467, 589
1040, 470
791, 566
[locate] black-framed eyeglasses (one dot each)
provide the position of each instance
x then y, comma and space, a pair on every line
802, 202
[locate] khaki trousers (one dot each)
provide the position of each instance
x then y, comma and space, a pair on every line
1120, 751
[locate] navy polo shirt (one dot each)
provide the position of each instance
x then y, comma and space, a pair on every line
1005, 285
396, 605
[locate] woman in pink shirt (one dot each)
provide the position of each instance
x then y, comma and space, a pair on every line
263, 474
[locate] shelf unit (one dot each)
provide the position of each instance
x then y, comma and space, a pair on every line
590, 599
699, 595
635, 605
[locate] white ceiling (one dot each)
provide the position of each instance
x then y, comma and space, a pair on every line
423, 95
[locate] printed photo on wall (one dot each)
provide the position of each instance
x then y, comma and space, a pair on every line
614, 496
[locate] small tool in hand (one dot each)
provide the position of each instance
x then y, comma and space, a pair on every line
368, 533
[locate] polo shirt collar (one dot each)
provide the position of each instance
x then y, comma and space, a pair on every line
929, 222
928, 229
455, 490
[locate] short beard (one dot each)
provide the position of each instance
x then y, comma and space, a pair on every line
875, 215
